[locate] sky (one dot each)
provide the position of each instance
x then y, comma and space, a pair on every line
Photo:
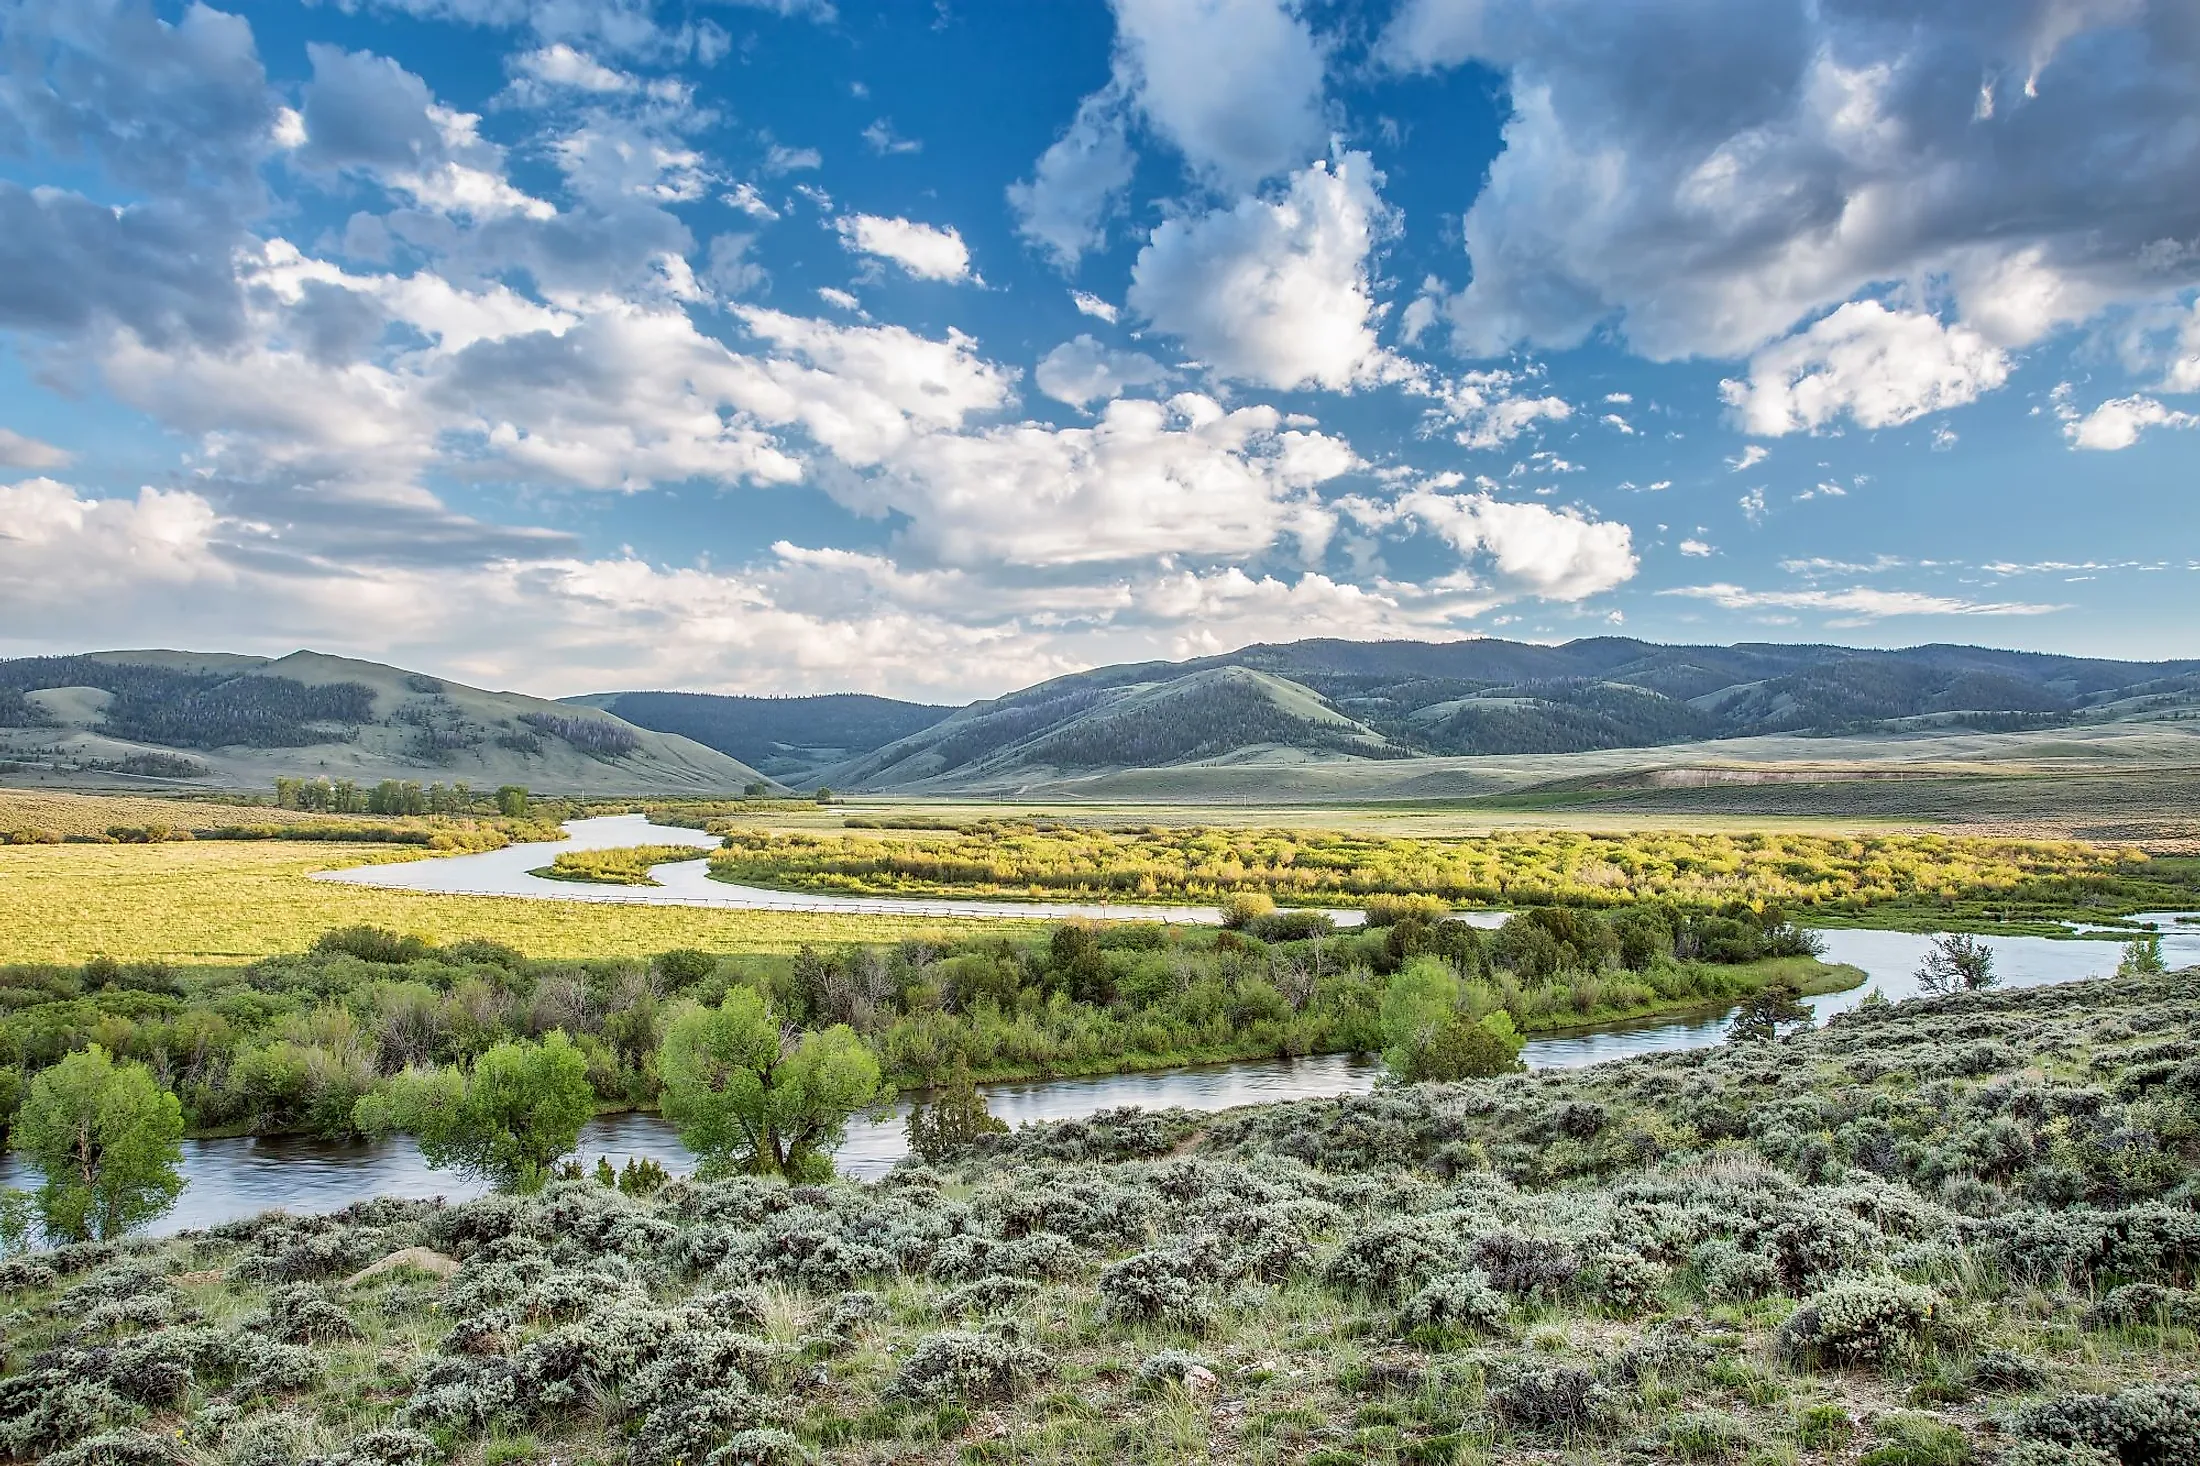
932, 350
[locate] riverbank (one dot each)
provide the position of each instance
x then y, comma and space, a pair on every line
1439, 1274
237, 1175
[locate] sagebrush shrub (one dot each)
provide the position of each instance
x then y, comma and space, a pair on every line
2147, 1425
393, 1447
1859, 1320
1728, 1271
122, 1448
2146, 1303
48, 1408
692, 1427
968, 1368
1165, 1285
989, 1294
1390, 1258
1540, 1396
301, 1313
1526, 1266
1457, 1303
1169, 1367
763, 1447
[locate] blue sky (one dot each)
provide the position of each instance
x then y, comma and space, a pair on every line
935, 349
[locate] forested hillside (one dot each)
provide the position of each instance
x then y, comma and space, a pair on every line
249, 720
782, 736
1393, 700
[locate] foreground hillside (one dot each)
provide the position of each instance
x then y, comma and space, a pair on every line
226, 721
1932, 1234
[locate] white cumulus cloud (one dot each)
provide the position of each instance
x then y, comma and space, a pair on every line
1274, 291
924, 250
2117, 423
1707, 175
1082, 371
1533, 549
1876, 366
1234, 85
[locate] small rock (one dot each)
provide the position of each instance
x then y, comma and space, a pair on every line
1199, 1379
426, 1259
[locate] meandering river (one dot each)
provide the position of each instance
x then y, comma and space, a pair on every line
687, 883
239, 1177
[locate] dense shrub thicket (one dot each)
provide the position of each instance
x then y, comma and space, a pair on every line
1935, 1232
1833, 874
293, 1042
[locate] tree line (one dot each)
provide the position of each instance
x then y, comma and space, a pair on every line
397, 797
495, 1062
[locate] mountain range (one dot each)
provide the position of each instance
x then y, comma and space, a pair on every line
1325, 700
228, 719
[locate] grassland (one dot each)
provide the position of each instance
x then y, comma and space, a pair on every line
1933, 1234
225, 902
93, 814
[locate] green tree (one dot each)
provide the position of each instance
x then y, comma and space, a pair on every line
1079, 964
684, 967
824, 795
512, 801
1955, 964
507, 1120
1422, 997
11, 1099
1767, 1012
1427, 1033
1469, 1048
107, 1138
1241, 909
2142, 958
749, 1093
954, 1119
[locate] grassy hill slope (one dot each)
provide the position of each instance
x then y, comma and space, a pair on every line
1419, 707
786, 737
231, 721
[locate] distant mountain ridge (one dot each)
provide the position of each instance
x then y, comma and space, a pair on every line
1334, 699
241, 721
780, 736
1343, 706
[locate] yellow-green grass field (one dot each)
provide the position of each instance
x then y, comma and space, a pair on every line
226, 901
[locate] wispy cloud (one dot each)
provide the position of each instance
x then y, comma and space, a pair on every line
1866, 602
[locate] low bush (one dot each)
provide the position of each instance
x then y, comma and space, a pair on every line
1463, 1303
968, 1368
1859, 1321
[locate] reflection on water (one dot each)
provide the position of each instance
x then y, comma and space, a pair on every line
234, 1178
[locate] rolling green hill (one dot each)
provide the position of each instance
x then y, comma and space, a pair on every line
1312, 719
786, 737
1422, 705
235, 721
